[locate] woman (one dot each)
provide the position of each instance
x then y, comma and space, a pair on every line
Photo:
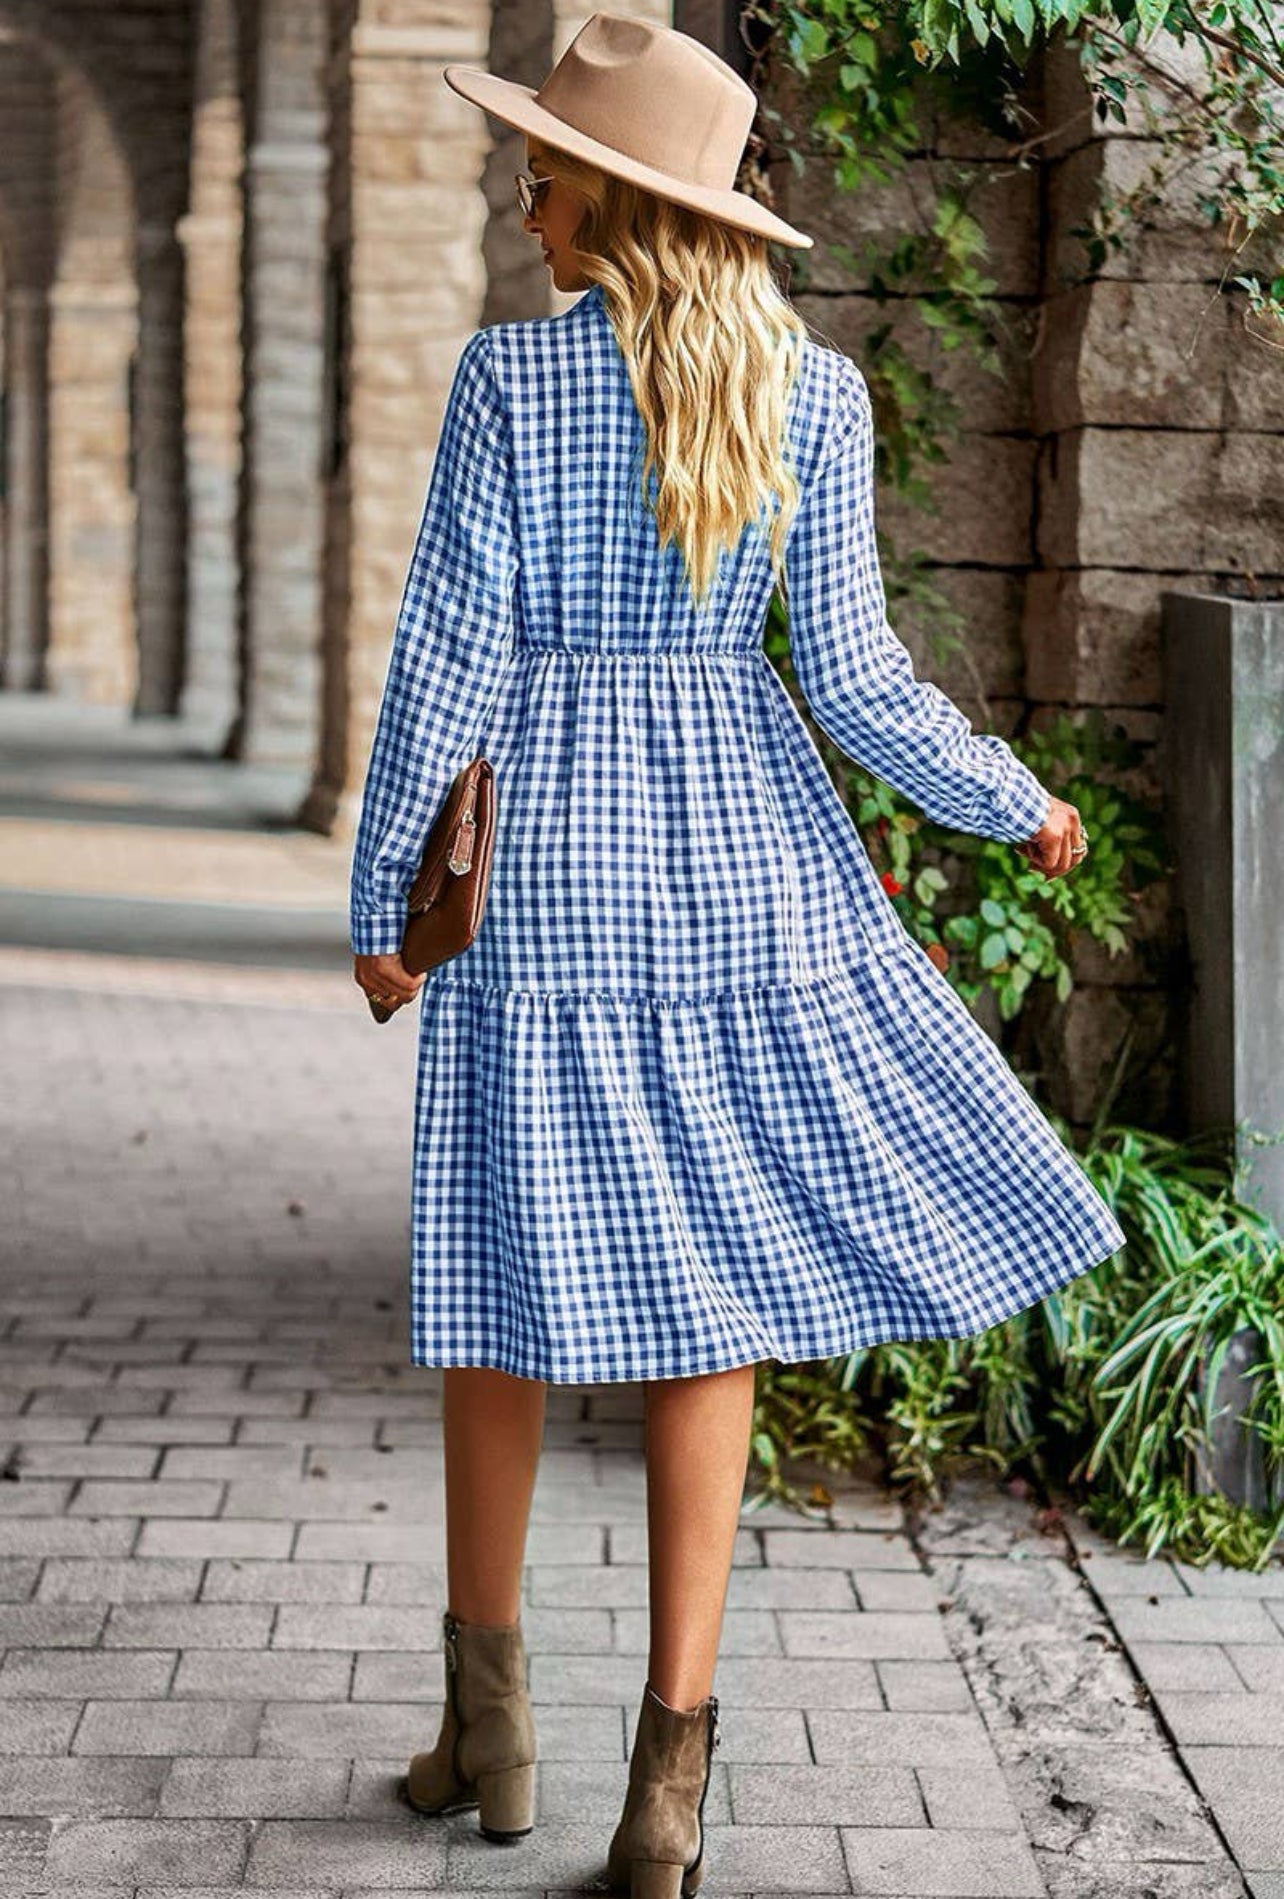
693, 1098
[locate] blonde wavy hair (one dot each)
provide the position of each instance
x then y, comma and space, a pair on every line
713, 347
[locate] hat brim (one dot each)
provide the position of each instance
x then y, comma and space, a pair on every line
515, 105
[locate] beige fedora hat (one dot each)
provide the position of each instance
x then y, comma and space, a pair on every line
647, 104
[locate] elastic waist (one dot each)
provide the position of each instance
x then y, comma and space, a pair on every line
648, 654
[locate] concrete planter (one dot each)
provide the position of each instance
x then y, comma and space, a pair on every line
1235, 1466
1223, 773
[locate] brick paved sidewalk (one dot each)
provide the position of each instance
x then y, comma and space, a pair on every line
221, 1534
223, 1549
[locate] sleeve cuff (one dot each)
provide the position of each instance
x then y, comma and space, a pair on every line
1026, 810
377, 935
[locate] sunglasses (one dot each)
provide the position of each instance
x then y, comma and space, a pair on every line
528, 190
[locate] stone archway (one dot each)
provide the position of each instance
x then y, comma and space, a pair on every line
137, 63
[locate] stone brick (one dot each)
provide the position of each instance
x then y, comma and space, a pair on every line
188, 1625
874, 1635
917, 1740
250, 1580
825, 1796
961, 1864
257, 1673
84, 1672
147, 1852
252, 1789
101, 1786
842, 1549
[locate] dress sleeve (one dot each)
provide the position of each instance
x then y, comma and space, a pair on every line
453, 638
858, 676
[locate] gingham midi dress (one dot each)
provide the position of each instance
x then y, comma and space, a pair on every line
694, 1096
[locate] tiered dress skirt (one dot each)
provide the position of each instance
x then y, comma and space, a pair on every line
694, 1097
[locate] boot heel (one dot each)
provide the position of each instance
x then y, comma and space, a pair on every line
506, 1802
655, 1879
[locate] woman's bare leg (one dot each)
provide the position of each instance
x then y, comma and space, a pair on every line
493, 1426
697, 1453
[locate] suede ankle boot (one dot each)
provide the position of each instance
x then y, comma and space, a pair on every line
485, 1754
657, 1850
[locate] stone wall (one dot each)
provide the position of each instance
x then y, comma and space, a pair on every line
1123, 448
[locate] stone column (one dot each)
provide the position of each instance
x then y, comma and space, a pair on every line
414, 291
287, 169
26, 563
93, 647
211, 236
159, 460
93, 650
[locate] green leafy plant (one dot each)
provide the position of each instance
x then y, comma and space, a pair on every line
1106, 1387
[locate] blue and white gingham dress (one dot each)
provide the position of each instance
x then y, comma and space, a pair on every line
694, 1096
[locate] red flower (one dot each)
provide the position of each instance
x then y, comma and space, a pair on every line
890, 884
938, 954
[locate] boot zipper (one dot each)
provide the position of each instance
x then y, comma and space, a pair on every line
451, 1644
715, 1732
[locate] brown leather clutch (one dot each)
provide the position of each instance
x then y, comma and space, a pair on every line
445, 902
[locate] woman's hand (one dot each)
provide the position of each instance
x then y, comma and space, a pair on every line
1060, 845
386, 979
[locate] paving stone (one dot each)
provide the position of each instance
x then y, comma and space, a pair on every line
119, 1579
50, 1624
254, 1789
840, 1549
1243, 1720
827, 1795
930, 1861
85, 1672
373, 1542
247, 1579
112, 1497
1260, 1670
899, 1592
764, 1588
425, 1583
23, 1844
1215, 1579
101, 1786
18, 1577
258, 1673
237, 1462
311, 1430
85, 1460
168, 1727
1195, 1665
918, 1740
133, 1852
1206, 1619
200, 1537
1244, 1787
188, 1625
924, 1687
38, 1727
872, 1635
358, 1626
342, 1853
35, 1497
978, 1798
